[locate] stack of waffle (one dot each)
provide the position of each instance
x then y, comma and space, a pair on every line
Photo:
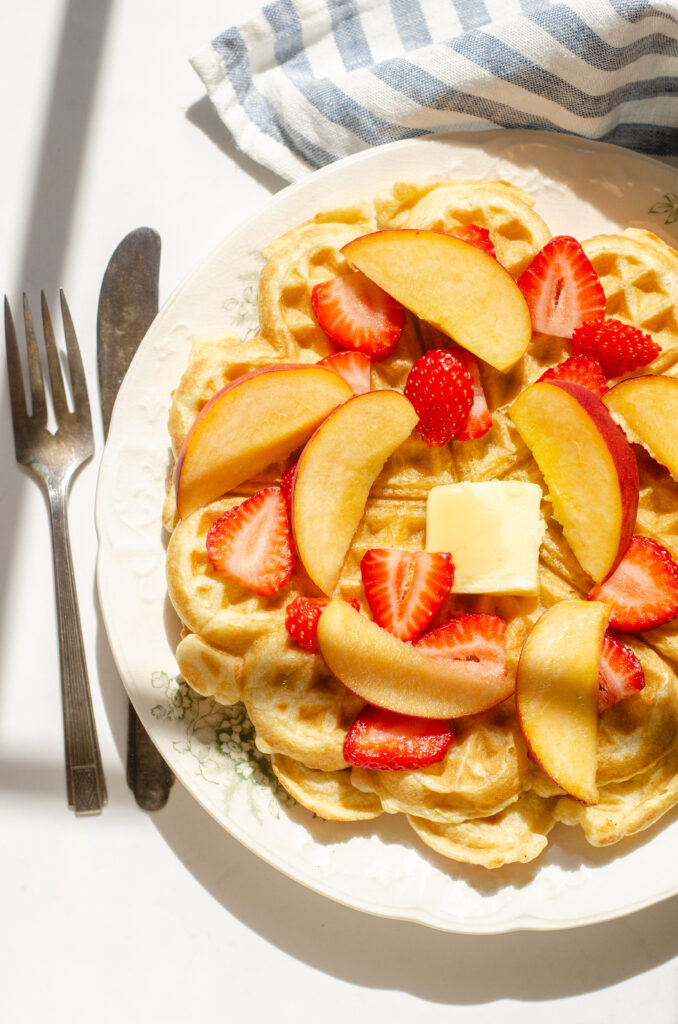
487, 802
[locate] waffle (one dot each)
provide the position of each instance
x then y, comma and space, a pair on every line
486, 802
639, 274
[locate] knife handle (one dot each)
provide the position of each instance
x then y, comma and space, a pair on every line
148, 776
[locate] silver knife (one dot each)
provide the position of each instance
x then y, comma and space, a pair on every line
128, 303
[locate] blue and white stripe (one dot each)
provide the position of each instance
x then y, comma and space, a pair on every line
305, 82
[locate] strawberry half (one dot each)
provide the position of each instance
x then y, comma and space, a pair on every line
582, 370
479, 419
405, 589
561, 288
354, 367
357, 314
618, 347
475, 235
643, 589
301, 620
387, 740
620, 674
251, 543
441, 390
475, 637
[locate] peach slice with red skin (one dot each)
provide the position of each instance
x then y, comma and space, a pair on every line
646, 408
461, 290
335, 472
392, 674
589, 467
557, 694
254, 421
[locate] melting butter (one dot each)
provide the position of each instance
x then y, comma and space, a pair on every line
492, 530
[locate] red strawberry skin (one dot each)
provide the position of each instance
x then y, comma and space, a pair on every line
582, 370
250, 543
405, 589
441, 390
475, 637
643, 589
287, 484
475, 235
561, 288
618, 347
301, 620
479, 418
354, 367
386, 740
357, 314
620, 674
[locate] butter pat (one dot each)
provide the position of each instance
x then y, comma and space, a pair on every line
493, 532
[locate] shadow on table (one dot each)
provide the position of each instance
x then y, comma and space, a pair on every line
379, 953
202, 115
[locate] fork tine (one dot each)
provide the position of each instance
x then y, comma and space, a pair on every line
34, 369
56, 380
78, 379
15, 377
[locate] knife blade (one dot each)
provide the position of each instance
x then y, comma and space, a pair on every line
128, 303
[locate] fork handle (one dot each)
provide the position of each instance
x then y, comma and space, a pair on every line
85, 780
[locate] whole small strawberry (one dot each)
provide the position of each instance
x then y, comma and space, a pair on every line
618, 347
441, 390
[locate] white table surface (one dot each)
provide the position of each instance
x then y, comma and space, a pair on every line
165, 917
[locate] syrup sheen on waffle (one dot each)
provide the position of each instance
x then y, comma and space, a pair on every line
486, 802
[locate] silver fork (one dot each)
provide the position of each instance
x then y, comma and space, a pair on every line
54, 458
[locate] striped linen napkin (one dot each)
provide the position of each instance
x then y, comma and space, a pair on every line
305, 82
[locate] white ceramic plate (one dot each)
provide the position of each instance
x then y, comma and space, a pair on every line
379, 867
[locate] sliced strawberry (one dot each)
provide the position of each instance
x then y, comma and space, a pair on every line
475, 637
387, 740
286, 485
620, 674
441, 390
475, 235
618, 347
561, 288
579, 370
354, 367
251, 543
357, 314
479, 419
643, 588
301, 620
405, 589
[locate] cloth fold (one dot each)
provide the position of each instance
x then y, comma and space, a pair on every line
305, 82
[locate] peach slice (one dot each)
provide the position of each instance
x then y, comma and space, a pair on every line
646, 408
256, 420
392, 674
557, 694
589, 468
334, 474
462, 291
